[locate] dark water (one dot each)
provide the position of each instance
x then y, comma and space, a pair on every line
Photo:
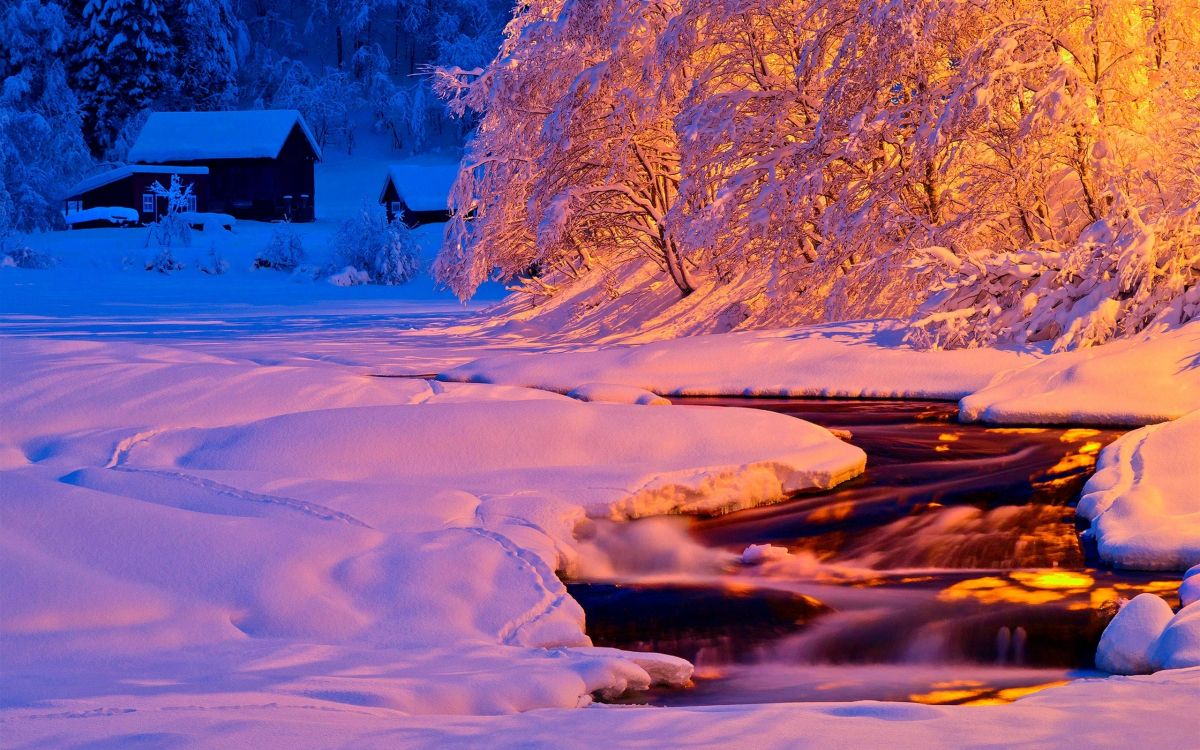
951, 571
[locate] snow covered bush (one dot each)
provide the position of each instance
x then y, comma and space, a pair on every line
164, 261
1120, 277
171, 228
284, 251
369, 244
214, 264
23, 256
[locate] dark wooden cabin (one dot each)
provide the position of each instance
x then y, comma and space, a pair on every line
260, 162
418, 194
129, 187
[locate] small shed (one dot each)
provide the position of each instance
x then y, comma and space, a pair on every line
129, 187
418, 194
261, 163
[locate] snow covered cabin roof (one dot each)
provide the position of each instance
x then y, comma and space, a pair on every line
190, 136
120, 173
422, 187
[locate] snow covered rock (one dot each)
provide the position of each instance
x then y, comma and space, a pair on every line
1143, 502
617, 394
760, 553
1189, 589
1179, 645
1129, 640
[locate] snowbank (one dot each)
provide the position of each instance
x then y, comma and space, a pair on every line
612, 460
1133, 381
864, 359
1142, 500
1129, 382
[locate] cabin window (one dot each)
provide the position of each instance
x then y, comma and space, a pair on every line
192, 203
147, 203
397, 208
74, 206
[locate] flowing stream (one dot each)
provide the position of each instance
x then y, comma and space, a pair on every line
951, 571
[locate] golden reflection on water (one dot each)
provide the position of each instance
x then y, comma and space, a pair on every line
1047, 586
976, 693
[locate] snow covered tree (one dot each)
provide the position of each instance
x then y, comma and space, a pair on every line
124, 61
830, 159
1109, 232
171, 227
42, 151
206, 37
369, 244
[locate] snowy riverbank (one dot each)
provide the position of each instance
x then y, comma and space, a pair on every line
247, 538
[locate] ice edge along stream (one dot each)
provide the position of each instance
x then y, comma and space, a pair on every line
951, 571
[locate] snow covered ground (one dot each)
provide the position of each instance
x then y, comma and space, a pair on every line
853, 360
1143, 501
226, 528
251, 517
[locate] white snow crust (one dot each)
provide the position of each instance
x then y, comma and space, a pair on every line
617, 394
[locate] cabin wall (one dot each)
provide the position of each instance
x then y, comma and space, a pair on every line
390, 196
297, 176
264, 189
117, 193
127, 192
409, 217
140, 185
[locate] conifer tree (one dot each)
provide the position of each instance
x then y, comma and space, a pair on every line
124, 62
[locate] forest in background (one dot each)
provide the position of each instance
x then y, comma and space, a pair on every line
79, 77
1005, 170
